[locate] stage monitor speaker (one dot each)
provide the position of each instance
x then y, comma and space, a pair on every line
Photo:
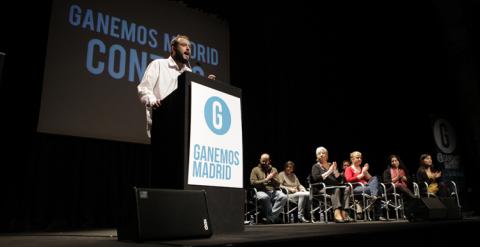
453, 211
161, 214
430, 208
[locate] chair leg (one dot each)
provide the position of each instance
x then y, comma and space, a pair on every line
256, 212
387, 207
402, 208
396, 205
325, 211
312, 218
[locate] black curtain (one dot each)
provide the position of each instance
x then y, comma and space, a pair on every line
362, 76
344, 77
69, 182
50, 182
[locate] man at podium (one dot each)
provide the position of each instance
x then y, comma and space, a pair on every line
160, 78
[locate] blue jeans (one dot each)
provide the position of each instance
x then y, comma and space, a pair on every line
371, 187
267, 198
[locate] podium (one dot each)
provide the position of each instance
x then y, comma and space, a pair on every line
197, 145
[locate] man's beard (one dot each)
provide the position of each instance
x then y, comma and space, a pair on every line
266, 168
179, 58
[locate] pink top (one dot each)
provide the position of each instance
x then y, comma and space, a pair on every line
394, 172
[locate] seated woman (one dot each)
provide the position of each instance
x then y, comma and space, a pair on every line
326, 172
427, 173
356, 173
296, 191
396, 173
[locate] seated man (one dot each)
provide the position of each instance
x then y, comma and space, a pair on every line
264, 178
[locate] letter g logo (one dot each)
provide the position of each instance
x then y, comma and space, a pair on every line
444, 135
217, 115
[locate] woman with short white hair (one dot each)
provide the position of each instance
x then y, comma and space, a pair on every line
326, 172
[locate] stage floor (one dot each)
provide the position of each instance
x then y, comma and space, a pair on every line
433, 232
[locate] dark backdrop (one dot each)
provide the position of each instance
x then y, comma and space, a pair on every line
358, 76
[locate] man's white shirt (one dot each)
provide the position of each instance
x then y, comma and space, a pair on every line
159, 81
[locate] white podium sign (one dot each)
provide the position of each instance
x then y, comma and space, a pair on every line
215, 150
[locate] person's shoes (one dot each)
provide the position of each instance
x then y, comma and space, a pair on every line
274, 220
270, 220
302, 219
346, 217
360, 216
263, 220
338, 216
381, 218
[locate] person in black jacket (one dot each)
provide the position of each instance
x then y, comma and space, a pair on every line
326, 172
427, 173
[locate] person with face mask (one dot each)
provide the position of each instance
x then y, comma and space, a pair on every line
264, 177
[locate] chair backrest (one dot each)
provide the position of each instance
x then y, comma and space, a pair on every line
309, 180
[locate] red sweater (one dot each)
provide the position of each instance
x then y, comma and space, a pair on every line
351, 176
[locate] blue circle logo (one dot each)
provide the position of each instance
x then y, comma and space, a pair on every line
217, 115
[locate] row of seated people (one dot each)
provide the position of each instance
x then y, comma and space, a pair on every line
330, 192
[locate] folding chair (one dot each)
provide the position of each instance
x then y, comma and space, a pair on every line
366, 199
251, 205
421, 190
290, 207
391, 199
323, 198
